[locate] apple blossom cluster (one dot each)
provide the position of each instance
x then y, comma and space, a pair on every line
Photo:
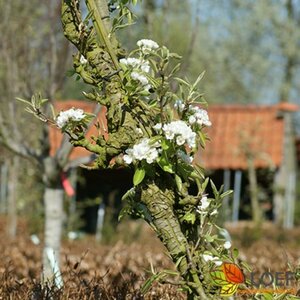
139, 66
181, 132
142, 150
199, 116
179, 105
72, 114
205, 202
147, 45
216, 260
142, 79
136, 63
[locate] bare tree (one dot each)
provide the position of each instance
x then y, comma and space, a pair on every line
34, 55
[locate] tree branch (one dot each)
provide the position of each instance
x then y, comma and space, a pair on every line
18, 148
102, 30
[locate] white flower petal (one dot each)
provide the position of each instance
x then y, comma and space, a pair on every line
227, 245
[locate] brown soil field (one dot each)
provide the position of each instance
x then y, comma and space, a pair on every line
93, 270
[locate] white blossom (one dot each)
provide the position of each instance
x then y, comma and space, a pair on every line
207, 257
227, 245
139, 77
199, 115
147, 45
180, 140
192, 119
157, 127
182, 132
72, 114
214, 212
142, 150
147, 87
83, 60
179, 105
136, 63
128, 159
216, 260
205, 202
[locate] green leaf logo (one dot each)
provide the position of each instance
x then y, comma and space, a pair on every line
228, 277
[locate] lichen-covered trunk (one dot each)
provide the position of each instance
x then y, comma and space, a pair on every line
160, 205
53, 201
159, 201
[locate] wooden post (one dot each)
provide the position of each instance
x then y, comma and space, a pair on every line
279, 199
100, 221
236, 195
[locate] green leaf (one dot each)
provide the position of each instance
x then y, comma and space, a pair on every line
178, 182
202, 139
138, 176
215, 191
204, 184
164, 163
129, 194
70, 73
225, 194
165, 144
184, 170
198, 79
189, 217
23, 100
126, 210
246, 266
182, 81
235, 252
210, 238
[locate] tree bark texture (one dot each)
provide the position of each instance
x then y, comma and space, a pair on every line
12, 197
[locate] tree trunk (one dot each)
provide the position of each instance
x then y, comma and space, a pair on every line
12, 198
159, 201
53, 201
256, 210
3, 187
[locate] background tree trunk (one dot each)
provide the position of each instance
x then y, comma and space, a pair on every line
256, 210
53, 201
12, 197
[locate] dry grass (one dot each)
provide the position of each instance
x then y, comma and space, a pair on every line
94, 271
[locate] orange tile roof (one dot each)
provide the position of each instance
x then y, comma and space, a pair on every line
258, 129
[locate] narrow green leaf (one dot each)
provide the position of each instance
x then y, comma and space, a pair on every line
225, 194
23, 100
178, 182
198, 79
138, 176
